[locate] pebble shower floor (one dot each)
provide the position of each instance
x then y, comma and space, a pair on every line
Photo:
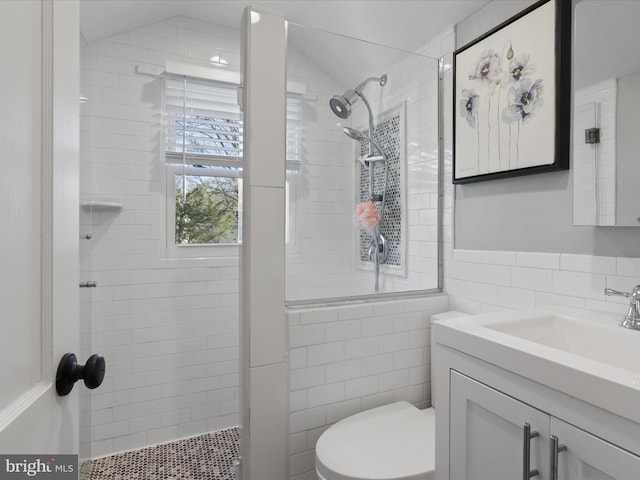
205, 457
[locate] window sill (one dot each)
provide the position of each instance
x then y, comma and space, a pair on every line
209, 255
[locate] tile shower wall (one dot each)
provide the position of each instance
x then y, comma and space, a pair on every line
167, 327
345, 359
416, 88
319, 248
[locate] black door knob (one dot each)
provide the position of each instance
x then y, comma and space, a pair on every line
69, 372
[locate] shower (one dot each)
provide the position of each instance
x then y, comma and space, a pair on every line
341, 104
359, 136
372, 210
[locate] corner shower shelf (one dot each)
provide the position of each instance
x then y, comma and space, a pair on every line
102, 204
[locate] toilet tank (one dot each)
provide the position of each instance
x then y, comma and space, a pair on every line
435, 318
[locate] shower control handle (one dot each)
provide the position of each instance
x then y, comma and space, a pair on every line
69, 372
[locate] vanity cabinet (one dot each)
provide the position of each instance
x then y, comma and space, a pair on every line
589, 457
494, 436
487, 430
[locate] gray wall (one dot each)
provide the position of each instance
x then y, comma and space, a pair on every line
532, 213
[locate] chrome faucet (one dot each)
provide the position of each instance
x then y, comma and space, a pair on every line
632, 318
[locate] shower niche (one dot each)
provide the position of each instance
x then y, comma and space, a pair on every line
389, 135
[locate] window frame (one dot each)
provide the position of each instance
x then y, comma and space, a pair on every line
190, 250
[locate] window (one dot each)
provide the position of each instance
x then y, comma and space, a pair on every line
203, 154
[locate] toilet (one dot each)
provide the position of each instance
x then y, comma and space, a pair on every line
395, 441
392, 442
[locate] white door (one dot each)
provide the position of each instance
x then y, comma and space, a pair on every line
39, 129
487, 439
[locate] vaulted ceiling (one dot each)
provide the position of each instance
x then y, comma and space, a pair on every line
404, 24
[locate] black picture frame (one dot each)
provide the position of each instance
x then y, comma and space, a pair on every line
512, 97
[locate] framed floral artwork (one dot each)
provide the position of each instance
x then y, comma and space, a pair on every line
512, 97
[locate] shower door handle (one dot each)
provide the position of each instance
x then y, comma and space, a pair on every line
69, 372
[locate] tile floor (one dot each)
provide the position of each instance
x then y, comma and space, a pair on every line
205, 457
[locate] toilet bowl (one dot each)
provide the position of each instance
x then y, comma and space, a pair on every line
392, 442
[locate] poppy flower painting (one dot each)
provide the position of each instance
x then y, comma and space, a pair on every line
512, 92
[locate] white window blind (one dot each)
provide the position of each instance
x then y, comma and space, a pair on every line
203, 123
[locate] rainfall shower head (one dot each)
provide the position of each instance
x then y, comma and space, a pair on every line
341, 104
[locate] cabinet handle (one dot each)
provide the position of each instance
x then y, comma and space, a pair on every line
527, 435
555, 449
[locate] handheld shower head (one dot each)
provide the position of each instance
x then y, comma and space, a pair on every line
359, 136
341, 104
354, 134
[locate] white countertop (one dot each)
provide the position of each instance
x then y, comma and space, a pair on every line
581, 353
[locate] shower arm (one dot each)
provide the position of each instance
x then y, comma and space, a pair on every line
371, 124
358, 90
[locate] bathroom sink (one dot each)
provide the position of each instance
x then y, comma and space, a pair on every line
608, 343
584, 354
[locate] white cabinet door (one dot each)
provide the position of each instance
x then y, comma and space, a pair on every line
590, 458
487, 433
39, 128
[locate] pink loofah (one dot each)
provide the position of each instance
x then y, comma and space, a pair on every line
368, 217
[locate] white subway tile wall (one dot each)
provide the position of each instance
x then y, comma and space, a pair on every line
560, 279
168, 328
346, 359
318, 260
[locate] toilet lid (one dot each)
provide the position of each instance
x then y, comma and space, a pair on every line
395, 441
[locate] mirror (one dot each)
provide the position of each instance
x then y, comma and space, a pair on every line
606, 120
